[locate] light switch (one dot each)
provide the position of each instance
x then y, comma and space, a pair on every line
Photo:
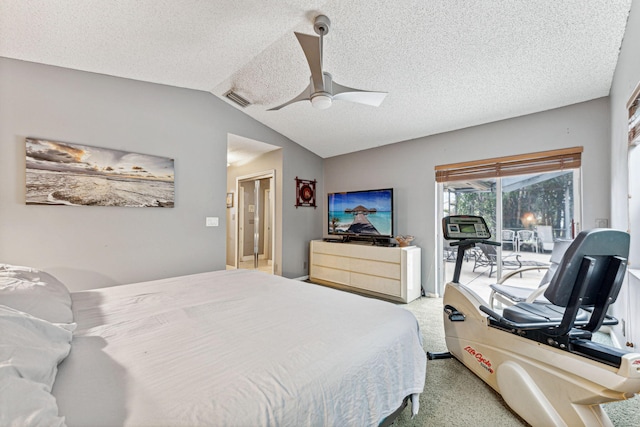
212, 221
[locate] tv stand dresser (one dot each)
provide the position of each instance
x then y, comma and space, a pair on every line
391, 273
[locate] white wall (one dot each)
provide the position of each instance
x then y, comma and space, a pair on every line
625, 80
90, 247
408, 167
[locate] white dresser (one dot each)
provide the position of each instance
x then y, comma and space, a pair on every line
388, 272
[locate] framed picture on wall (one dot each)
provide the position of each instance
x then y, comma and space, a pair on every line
65, 174
305, 192
229, 200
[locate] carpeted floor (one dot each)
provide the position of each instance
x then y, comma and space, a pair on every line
454, 396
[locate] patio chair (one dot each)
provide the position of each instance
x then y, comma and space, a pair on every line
509, 238
511, 295
527, 238
488, 257
545, 237
451, 252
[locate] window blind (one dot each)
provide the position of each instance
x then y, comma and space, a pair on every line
634, 118
542, 161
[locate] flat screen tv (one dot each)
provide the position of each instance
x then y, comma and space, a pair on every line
361, 213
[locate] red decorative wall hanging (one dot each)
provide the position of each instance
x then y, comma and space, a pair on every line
305, 192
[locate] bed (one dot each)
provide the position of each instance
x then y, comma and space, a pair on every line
224, 348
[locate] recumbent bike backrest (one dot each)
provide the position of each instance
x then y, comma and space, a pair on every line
591, 273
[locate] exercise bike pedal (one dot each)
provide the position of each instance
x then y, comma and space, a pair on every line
440, 355
453, 314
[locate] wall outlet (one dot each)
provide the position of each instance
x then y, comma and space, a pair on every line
212, 221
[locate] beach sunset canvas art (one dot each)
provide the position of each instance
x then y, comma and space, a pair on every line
59, 173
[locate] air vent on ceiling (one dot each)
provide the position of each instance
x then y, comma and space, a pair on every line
237, 99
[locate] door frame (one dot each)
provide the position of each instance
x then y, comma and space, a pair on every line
267, 223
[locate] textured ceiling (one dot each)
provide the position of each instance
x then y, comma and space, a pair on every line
446, 64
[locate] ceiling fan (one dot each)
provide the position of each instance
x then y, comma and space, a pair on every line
322, 90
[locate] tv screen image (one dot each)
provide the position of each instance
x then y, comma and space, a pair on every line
361, 213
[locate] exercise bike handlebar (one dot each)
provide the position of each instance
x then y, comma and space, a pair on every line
466, 242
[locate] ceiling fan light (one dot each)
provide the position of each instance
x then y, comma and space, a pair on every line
321, 101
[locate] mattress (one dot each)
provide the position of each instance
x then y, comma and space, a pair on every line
236, 348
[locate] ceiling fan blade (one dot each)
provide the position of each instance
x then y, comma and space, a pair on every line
322, 90
366, 97
305, 95
311, 47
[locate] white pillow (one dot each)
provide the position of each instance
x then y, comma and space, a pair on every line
30, 347
27, 403
30, 351
35, 292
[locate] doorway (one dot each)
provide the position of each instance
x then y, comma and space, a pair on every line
255, 225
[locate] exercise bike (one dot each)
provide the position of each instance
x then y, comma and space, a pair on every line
539, 356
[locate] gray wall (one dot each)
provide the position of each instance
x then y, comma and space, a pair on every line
90, 247
408, 167
305, 223
98, 246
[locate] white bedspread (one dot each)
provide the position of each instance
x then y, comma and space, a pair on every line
236, 348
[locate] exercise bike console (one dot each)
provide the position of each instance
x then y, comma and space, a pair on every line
464, 227
466, 230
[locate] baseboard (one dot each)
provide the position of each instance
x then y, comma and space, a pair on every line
302, 278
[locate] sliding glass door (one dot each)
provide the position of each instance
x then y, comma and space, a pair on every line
526, 213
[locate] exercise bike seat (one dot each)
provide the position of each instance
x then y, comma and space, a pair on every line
527, 312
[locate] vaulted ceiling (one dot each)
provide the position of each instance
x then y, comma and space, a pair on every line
446, 64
